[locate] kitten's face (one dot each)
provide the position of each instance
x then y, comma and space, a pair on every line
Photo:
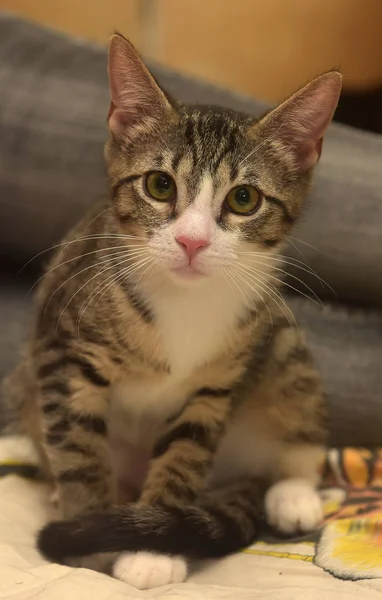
205, 194
204, 187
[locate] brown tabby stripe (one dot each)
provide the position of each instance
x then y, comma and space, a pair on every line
194, 432
74, 447
125, 180
215, 392
92, 423
56, 387
87, 369
271, 243
51, 407
234, 172
54, 439
180, 470
81, 475
61, 426
287, 216
176, 160
135, 301
225, 148
95, 336
177, 489
190, 139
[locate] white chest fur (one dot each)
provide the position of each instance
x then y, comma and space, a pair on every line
195, 322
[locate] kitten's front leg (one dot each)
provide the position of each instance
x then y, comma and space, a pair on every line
179, 471
182, 457
73, 406
76, 447
296, 414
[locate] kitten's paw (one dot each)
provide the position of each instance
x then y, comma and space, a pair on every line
145, 570
293, 506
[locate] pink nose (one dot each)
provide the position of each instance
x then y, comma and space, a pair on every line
191, 246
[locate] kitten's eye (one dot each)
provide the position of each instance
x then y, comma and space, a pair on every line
160, 186
243, 200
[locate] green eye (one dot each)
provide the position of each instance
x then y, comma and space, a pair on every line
160, 186
243, 200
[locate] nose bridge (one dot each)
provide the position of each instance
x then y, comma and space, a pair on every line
194, 224
194, 228
197, 221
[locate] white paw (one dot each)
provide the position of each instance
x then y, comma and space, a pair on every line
293, 506
145, 570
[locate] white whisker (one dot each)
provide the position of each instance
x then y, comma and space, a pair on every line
117, 262
82, 239
246, 300
98, 216
122, 249
103, 287
112, 266
256, 291
318, 299
125, 273
293, 262
270, 289
111, 261
309, 246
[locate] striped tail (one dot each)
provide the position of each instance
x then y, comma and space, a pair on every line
222, 522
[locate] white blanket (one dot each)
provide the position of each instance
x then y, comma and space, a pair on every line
281, 572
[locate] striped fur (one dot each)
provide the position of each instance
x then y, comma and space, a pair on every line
180, 394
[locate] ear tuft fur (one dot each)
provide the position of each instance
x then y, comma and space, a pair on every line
300, 122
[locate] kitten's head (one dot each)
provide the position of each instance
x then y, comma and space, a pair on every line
203, 186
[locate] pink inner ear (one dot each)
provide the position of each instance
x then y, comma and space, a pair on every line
310, 154
134, 93
301, 121
120, 120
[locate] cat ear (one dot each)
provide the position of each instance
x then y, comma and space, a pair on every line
299, 123
136, 98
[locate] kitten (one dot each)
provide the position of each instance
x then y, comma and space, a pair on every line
172, 399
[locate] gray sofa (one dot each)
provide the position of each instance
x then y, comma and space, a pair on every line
53, 106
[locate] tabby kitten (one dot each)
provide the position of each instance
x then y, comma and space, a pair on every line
172, 399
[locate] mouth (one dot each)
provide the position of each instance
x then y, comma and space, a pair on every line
187, 272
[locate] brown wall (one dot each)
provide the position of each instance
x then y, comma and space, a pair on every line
262, 47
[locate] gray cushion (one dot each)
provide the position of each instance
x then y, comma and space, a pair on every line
347, 347
342, 226
53, 106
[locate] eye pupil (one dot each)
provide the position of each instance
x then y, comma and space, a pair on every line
242, 196
163, 183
